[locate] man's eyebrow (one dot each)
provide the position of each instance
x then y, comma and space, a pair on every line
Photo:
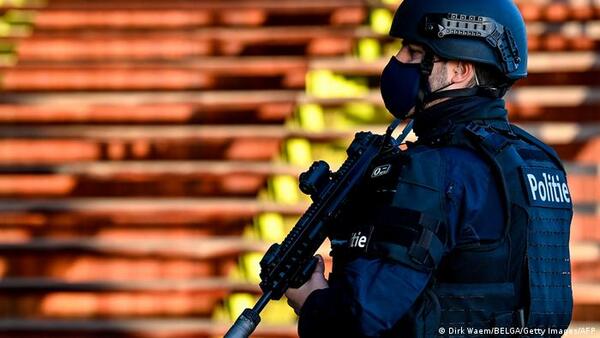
415, 47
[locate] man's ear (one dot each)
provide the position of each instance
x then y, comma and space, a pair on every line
462, 72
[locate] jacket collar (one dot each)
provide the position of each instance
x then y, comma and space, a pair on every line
437, 123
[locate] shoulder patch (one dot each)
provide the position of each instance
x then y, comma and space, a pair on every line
381, 170
546, 187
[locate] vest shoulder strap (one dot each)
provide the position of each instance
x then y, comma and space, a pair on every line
525, 136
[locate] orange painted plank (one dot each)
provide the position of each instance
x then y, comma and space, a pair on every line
270, 5
20, 79
134, 264
585, 152
573, 141
584, 188
110, 305
175, 45
180, 76
558, 12
140, 182
251, 65
133, 178
47, 151
180, 302
94, 212
536, 113
586, 271
585, 226
136, 185
122, 19
557, 42
185, 327
177, 178
68, 49
79, 266
202, 73
63, 151
186, 18
586, 294
166, 113
553, 11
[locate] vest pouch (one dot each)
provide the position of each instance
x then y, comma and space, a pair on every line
422, 320
431, 315
466, 307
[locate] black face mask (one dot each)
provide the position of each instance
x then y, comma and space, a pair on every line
400, 85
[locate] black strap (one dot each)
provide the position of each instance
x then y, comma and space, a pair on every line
426, 68
491, 140
492, 144
393, 220
525, 136
402, 235
409, 237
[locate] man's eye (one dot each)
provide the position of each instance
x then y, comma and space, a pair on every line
415, 53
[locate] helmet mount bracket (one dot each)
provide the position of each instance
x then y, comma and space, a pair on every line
440, 26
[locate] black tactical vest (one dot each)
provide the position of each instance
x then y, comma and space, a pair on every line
511, 286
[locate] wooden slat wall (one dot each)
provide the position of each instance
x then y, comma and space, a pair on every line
138, 140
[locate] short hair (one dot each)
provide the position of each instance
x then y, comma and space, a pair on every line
489, 76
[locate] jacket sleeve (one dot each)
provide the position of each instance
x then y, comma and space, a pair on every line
368, 300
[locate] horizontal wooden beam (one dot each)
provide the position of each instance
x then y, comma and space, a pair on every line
560, 96
191, 168
142, 328
553, 133
150, 212
207, 98
50, 144
211, 72
568, 61
184, 4
199, 248
584, 293
177, 18
159, 113
184, 178
123, 205
547, 10
197, 286
317, 40
180, 327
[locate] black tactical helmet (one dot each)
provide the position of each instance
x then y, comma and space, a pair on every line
490, 32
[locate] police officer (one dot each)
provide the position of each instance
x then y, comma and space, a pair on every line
467, 228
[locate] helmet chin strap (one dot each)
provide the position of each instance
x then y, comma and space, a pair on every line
424, 88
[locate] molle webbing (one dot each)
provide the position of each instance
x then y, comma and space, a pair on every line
546, 221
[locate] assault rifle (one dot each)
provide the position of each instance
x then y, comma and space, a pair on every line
291, 263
